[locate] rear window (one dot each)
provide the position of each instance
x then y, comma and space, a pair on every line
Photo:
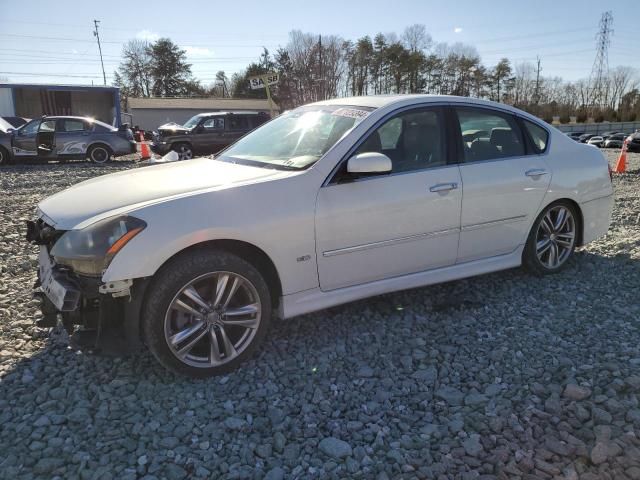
237, 122
539, 136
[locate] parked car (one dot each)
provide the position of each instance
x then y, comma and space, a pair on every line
633, 142
596, 141
328, 203
11, 123
606, 135
585, 137
66, 138
575, 135
205, 133
615, 140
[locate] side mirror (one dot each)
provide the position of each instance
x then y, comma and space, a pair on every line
199, 129
369, 162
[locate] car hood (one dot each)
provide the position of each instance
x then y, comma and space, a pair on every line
173, 128
117, 193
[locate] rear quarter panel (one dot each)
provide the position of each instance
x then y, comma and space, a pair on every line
580, 172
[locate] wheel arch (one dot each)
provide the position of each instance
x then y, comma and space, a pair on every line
99, 143
247, 251
176, 143
576, 207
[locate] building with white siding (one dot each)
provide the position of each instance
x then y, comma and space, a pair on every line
149, 113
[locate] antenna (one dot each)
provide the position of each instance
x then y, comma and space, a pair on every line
95, 34
600, 68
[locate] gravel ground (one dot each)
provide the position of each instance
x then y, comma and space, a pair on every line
499, 376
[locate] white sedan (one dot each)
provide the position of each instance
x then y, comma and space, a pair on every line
326, 204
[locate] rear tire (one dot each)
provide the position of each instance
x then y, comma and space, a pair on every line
552, 239
99, 154
206, 312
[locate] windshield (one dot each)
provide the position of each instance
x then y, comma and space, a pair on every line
295, 139
192, 122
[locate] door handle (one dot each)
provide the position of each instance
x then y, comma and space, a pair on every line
536, 172
443, 187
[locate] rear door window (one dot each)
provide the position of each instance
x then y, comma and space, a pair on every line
72, 125
488, 134
237, 122
539, 136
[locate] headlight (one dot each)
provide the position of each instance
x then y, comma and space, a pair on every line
89, 251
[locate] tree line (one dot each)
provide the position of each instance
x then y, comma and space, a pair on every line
315, 67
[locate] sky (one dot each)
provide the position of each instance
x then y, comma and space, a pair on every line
53, 42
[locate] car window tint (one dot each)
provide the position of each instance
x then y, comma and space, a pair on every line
216, 123
487, 134
413, 140
30, 128
48, 126
539, 136
390, 133
237, 122
72, 125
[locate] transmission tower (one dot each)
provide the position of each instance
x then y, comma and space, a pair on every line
600, 68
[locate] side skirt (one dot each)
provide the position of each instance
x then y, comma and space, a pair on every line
315, 299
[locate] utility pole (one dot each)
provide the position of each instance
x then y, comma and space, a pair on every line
95, 34
321, 79
537, 92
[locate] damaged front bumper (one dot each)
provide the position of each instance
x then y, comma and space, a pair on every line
99, 317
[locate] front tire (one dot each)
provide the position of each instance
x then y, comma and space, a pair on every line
206, 312
184, 151
4, 157
552, 239
99, 154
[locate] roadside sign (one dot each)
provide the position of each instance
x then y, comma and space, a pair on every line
263, 80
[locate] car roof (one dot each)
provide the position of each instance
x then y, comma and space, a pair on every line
380, 101
226, 112
86, 119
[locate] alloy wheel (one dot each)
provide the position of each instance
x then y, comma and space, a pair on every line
185, 152
555, 237
99, 155
212, 319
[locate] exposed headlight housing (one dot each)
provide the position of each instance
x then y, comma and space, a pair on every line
89, 251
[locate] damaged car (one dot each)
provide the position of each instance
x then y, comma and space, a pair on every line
65, 138
326, 204
205, 133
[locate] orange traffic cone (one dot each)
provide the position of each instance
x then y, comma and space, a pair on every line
145, 154
621, 166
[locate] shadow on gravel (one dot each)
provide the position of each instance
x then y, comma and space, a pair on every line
418, 313
489, 356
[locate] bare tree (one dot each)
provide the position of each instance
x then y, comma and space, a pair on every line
135, 69
416, 39
621, 80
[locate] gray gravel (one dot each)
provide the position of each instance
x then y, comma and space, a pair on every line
500, 376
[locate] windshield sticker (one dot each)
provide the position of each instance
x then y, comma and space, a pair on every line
350, 112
